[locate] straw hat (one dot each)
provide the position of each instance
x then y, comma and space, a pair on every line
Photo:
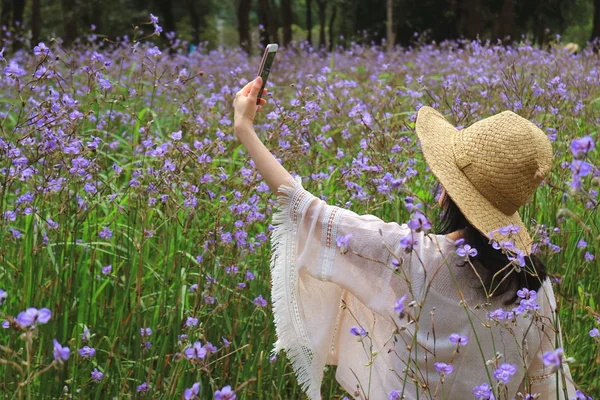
489, 169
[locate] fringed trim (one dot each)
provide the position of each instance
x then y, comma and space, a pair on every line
291, 332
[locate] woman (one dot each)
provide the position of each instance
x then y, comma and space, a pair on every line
407, 314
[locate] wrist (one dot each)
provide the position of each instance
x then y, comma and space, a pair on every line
242, 128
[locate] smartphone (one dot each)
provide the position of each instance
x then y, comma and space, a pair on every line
265, 66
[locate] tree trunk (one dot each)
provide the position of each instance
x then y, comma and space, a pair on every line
168, 20
5, 18
69, 21
322, 5
273, 33
595, 27
263, 19
331, 21
309, 21
505, 25
243, 17
472, 25
194, 21
36, 22
17, 23
286, 21
390, 26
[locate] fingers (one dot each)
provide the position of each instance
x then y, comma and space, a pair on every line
246, 89
255, 88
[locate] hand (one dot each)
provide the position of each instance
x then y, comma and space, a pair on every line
244, 104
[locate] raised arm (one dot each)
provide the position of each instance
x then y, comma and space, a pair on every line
244, 112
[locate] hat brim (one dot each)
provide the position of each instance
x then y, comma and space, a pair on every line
435, 134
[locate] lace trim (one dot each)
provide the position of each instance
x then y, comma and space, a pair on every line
289, 328
329, 224
337, 323
543, 378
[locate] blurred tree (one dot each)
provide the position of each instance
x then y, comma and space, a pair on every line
36, 22
334, 7
243, 20
596, 25
266, 18
167, 17
504, 25
389, 35
286, 21
69, 21
5, 17
309, 21
473, 18
322, 17
17, 23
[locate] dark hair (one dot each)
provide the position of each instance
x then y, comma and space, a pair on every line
530, 277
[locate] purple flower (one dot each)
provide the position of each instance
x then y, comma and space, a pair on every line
227, 342
466, 250
395, 395
210, 348
105, 233
519, 260
579, 395
504, 372
527, 294
358, 331
176, 135
443, 368
259, 301
144, 387
459, 340
107, 270
419, 222
194, 287
5, 324
581, 244
3, 296
31, 316
87, 352
192, 392
273, 358
408, 243
40, 49
594, 332
97, 375
85, 336
15, 232
153, 19
588, 256
399, 307
581, 146
342, 242
225, 393
145, 332
191, 321
483, 392
581, 168
553, 358
197, 351
60, 353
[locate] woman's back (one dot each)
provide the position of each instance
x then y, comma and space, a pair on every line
358, 305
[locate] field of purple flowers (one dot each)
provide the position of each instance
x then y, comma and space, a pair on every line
134, 254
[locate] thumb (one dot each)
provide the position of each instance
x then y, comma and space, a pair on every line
256, 87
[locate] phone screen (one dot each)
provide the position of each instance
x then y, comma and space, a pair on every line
264, 70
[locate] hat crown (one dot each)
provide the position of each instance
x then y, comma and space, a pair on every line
505, 157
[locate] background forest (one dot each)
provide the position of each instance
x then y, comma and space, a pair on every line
324, 23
